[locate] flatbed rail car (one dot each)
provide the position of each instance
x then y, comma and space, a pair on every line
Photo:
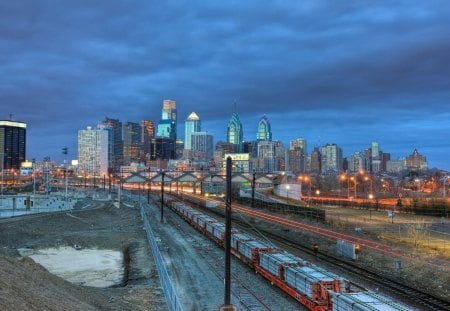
314, 287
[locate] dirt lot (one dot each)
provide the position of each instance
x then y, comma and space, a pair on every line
25, 285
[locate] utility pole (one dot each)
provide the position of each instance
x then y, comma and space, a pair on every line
227, 301
445, 180
65, 151
253, 188
3, 164
162, 196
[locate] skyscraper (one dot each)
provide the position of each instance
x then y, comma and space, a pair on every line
148, 132
192, 125
132, 144
331, 158
116, 126
12, 144
167, 126
264, 130
203, 142
297, 155
93, 151
316, 161
235, 133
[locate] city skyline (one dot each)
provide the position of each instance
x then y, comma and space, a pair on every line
331, 73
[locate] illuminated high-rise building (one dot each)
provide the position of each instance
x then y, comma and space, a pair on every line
264, 130
12, 144
235, 133
93, 150
132, 144
331, 158
117, 148
203, 142
192, 125
148, 132
167, 126
297, 155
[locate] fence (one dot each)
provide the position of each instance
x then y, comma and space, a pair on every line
169, 291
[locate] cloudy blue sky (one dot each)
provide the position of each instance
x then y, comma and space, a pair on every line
345, 72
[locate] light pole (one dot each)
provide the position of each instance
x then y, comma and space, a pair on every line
227, 296
3, 164
444, 182
162, 196
253, 188
287, 193
65, 151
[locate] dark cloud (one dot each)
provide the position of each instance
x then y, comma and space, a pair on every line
348, 72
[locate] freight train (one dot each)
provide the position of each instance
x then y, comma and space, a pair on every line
314, 287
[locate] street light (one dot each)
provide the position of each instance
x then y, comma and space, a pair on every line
444, 182
287, 193
65, 151
3, 164
305, 179
345, 177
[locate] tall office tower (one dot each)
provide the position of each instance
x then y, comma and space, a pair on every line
116, 126
297, 155
132, 144
416, 162
93, 151
148, 132
203, 142
357, 162
298, 143
266, 156
385, 157
191, 125
296, 160
316, 161
110, 131
235, 133
264, 130
331, 158
280, 156
375, 161
12, 144
167, 126
162, 148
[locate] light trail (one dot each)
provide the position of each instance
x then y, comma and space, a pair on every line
334, 235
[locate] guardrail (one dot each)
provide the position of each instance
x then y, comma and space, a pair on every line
166, 284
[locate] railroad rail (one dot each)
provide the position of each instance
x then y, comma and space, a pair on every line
248, 300
400, 289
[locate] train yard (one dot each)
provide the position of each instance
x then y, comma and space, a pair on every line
397, 288
314, 287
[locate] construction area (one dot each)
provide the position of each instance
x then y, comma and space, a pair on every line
97, 257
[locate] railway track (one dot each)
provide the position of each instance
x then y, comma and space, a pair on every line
248, 300
388, 285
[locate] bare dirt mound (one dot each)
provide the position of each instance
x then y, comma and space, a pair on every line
26, 285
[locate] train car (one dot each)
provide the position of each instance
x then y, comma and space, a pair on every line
249, 251
273, 267
364, 301
216, 231
312, 281
314, 287
202, 221
275, 263
238, 238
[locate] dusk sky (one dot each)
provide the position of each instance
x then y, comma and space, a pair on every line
344, 72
